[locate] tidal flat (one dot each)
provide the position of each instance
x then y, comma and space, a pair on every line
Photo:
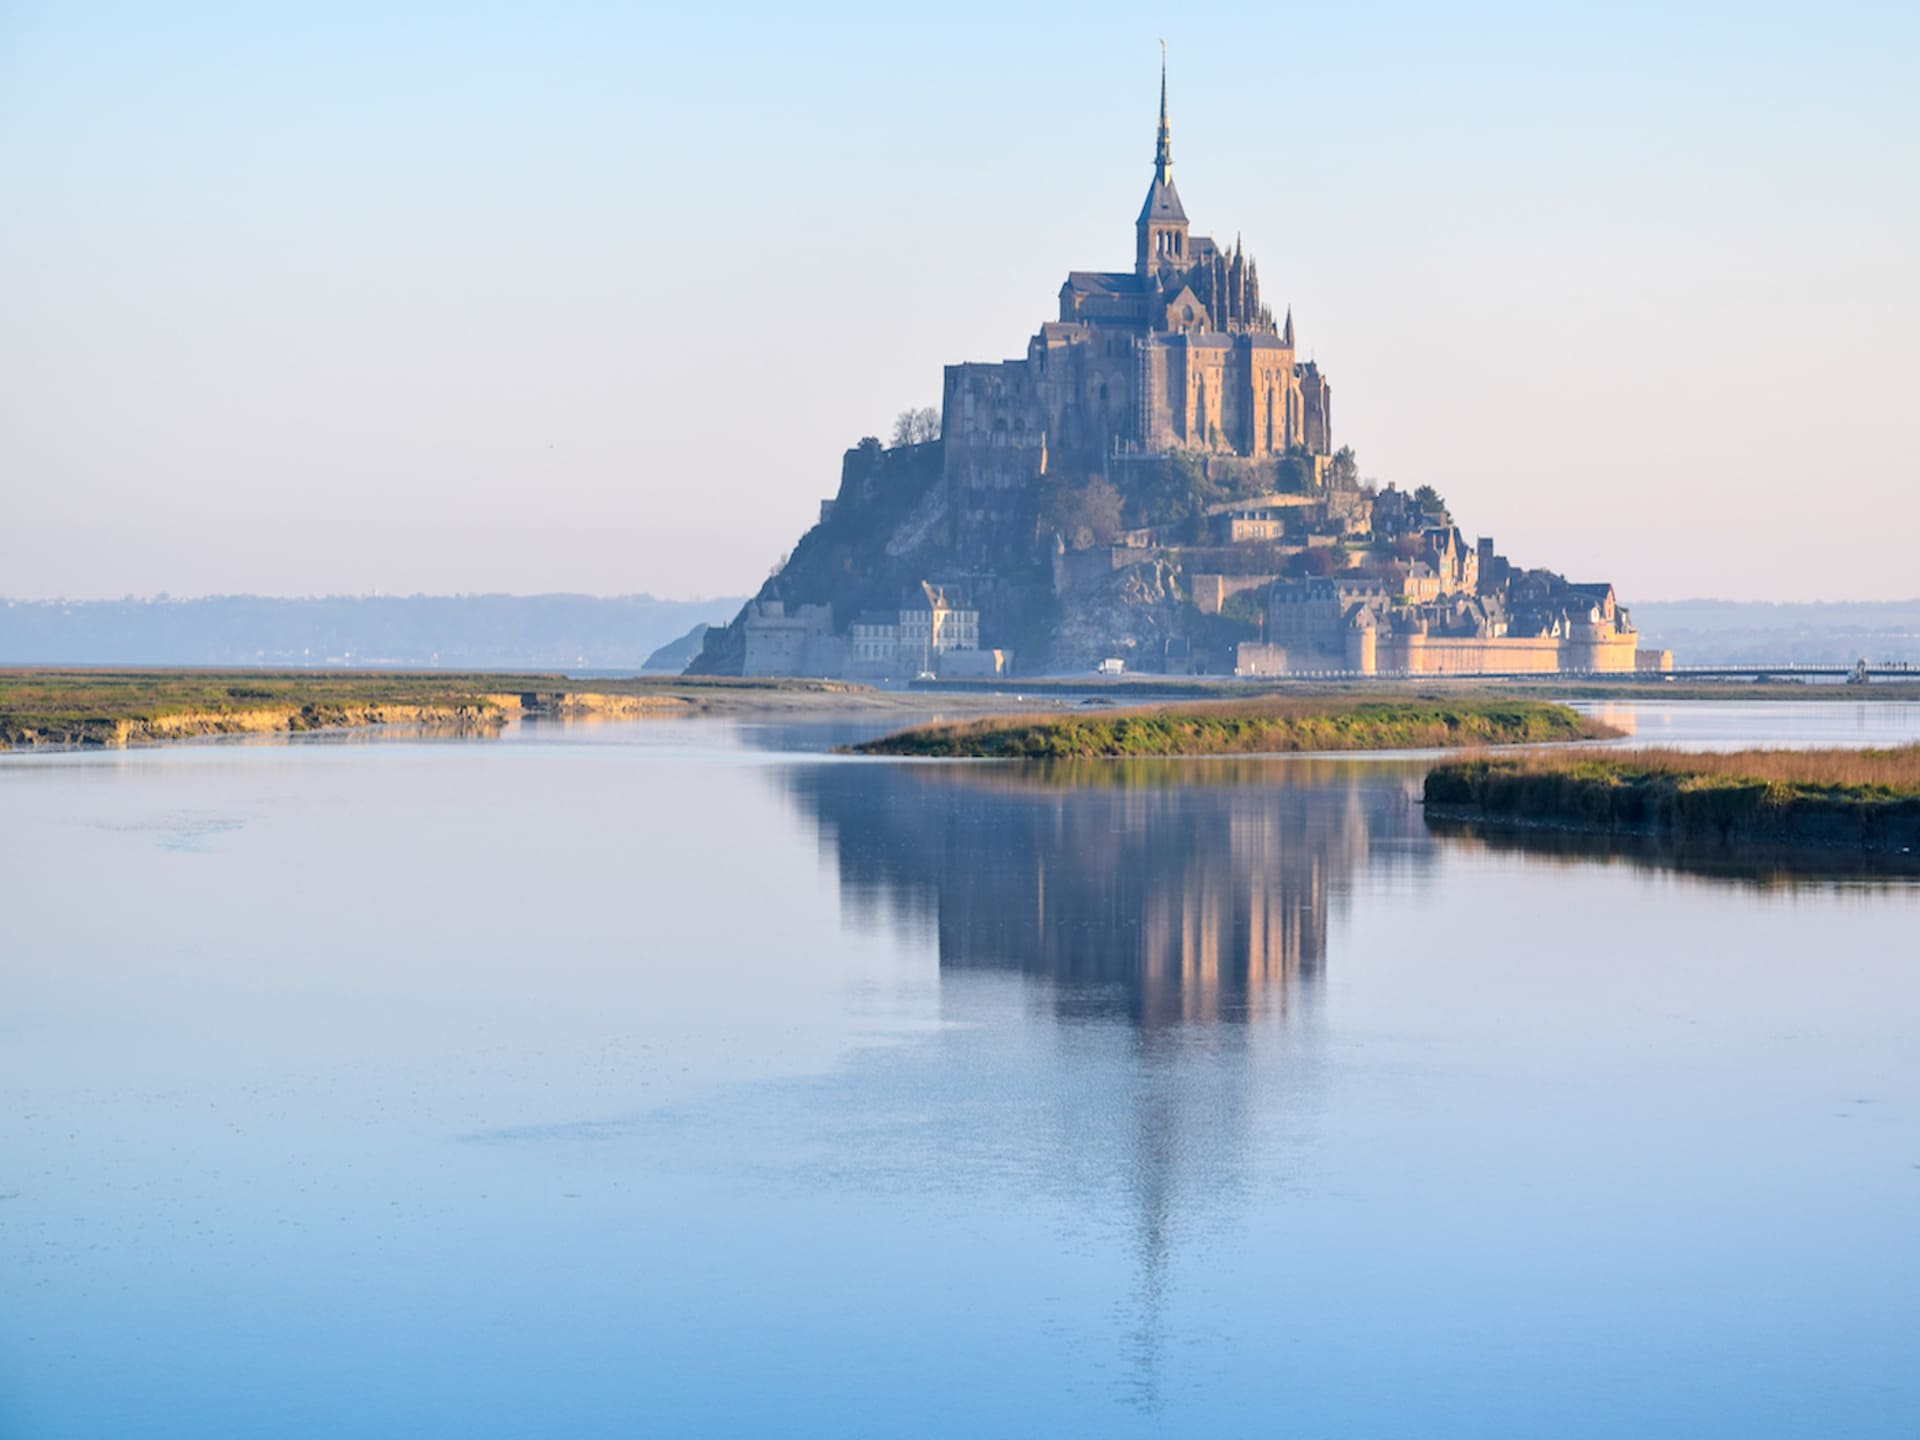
94, 707
101, 706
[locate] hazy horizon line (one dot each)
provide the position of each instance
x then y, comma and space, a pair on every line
167, 597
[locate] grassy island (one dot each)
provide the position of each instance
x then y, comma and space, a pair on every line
1855, 799
1270, 725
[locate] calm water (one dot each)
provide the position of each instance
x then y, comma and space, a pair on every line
677, 1079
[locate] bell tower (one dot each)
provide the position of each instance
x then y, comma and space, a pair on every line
1161, 231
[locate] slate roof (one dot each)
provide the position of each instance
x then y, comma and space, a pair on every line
1163, 203
1103, 282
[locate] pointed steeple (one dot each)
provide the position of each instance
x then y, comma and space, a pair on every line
1163, 151
1161, 230
1286, 334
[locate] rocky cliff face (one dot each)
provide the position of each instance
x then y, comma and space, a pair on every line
894, 523
889, 527
885, 523
1127, 614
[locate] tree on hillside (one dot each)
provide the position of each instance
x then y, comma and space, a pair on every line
1247, 608
1167, 490
916, 427
1428, 499
1343, 470
1316, 562
1086, 515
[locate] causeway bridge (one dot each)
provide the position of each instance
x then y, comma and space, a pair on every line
1146, 685
1856, 671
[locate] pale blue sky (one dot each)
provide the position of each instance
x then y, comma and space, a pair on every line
586, 297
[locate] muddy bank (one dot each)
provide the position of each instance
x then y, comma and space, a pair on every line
119, 732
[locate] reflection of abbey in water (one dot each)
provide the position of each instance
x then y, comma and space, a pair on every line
1169, 895
1174, 892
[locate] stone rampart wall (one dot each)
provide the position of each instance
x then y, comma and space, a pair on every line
1211, 592
1504, 655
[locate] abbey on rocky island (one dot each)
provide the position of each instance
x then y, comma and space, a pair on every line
1152, 486
1179, 352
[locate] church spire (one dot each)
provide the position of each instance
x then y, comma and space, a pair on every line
1163, 152
1286, 335
1161, 230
